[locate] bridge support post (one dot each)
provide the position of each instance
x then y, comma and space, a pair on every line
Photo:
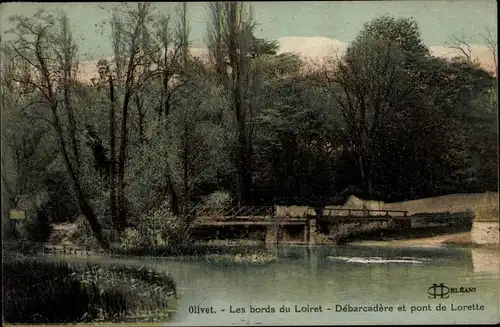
306, 233
272, 235
312, 230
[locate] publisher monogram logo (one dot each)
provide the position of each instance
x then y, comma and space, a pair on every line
439, 291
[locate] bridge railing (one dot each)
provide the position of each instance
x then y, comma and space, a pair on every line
270, 211
243, 211
363, 212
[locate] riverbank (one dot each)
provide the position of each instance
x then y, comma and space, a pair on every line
38, 291
64, 240
221, 252
463, 239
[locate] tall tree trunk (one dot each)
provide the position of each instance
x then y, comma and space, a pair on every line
72, 125
165, 109
112, 143
365, 178
122, 210
227, 49
67, 78
174, 199
236, 59
85, 208
243, 160
185, 163
141, 118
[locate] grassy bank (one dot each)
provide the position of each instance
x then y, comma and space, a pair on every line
222, 251
21, 247
55, 292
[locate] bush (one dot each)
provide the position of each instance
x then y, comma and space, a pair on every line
131, 238
84, 236
343, 231
56, 292
160, 227
218, 199
36, 227
61, 205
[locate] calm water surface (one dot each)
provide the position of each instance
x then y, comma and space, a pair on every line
331, 277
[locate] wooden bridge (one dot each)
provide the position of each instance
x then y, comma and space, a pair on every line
279, 226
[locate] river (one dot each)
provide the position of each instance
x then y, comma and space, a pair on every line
335, 285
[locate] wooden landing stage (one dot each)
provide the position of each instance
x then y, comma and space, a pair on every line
279, 229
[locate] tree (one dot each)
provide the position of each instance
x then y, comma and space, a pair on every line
297, 141
170, 62
367, 84
492, 44
462, 44
404, 33
434, 132
50, 58
133, 55
232, 46
197, 138
22, 139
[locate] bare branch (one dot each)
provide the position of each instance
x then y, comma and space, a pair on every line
492, 46
461, 44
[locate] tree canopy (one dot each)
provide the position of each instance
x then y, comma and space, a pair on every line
159, 128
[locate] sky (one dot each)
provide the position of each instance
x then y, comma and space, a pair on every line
439, 20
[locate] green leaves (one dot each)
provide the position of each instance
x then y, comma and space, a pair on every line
388, 116
404, 32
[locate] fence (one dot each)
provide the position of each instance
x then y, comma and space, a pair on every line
247, 211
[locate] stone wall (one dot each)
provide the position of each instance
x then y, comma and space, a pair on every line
482, 206
485, 228
294, 211
356, 203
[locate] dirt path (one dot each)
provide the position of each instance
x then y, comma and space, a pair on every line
61, 233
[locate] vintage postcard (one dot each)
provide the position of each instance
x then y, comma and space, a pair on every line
250, 163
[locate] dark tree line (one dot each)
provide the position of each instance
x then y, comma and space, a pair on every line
158, 126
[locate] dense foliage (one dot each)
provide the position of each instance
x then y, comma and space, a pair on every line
159, 130
56, 292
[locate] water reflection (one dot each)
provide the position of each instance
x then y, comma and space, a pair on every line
486, 260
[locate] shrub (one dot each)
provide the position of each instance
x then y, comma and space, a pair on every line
131, 238
36, 227
160, 227
61, 205
84, 235
344, 231
218, 199
56, 292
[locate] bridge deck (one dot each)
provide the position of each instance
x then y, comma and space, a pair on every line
250, 223
266, 216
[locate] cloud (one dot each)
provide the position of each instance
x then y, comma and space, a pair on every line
317, 48
314, 49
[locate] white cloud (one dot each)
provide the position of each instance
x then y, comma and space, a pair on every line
318, 48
